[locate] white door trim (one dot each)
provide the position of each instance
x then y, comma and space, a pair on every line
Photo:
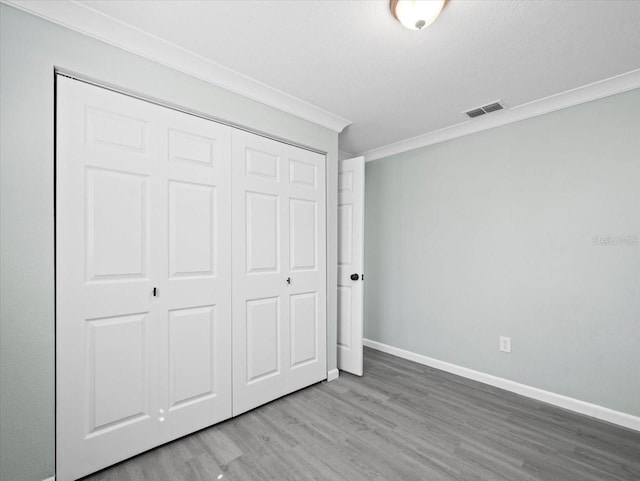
63, 72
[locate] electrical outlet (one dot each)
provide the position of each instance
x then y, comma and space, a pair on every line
505, 344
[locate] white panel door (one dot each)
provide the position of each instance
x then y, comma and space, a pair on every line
194, 285
279, 277
138, 196
350, 264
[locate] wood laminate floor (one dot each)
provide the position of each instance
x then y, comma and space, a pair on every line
401, 421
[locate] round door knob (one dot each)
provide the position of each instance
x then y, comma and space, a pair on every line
355, 277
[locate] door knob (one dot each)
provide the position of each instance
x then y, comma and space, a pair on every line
355, 277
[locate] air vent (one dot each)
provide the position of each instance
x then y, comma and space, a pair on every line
492, 107
475, 113
485, 109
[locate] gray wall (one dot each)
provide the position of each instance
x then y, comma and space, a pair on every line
29, 49
492, 234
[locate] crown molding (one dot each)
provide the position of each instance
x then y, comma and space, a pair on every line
604, 88
342, 155
84, 19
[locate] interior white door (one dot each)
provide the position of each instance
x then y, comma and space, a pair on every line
279, 277
138, 207
350, 264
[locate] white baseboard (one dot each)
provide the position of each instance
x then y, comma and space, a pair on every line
333, 375
52, 478
582, 407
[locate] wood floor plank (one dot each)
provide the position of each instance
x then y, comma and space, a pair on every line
401, 421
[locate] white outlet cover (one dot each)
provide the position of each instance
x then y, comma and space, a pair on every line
505, 344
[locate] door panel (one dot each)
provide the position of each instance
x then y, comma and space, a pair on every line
192, 219
350, 261
263, 233
263, 338
188, 147
107, 128
304, 328
138, 199
118, 384
192, 362
345, 309
279, 280
302, 173
117, 246
303, 222
194, 278
307, 268
262, 165
259, 277
106, 377
345, 233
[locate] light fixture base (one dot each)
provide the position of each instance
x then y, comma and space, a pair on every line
416, 14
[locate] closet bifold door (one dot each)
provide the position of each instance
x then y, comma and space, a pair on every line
194, 292
279, 269
143, 276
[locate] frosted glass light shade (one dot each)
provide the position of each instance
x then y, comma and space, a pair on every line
416, 14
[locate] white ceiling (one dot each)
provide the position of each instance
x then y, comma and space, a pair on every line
352, 58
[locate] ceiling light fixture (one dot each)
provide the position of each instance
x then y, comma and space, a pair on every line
416, 14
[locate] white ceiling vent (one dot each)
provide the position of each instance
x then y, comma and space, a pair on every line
485, 109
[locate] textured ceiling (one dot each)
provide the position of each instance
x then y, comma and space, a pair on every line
354, 59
